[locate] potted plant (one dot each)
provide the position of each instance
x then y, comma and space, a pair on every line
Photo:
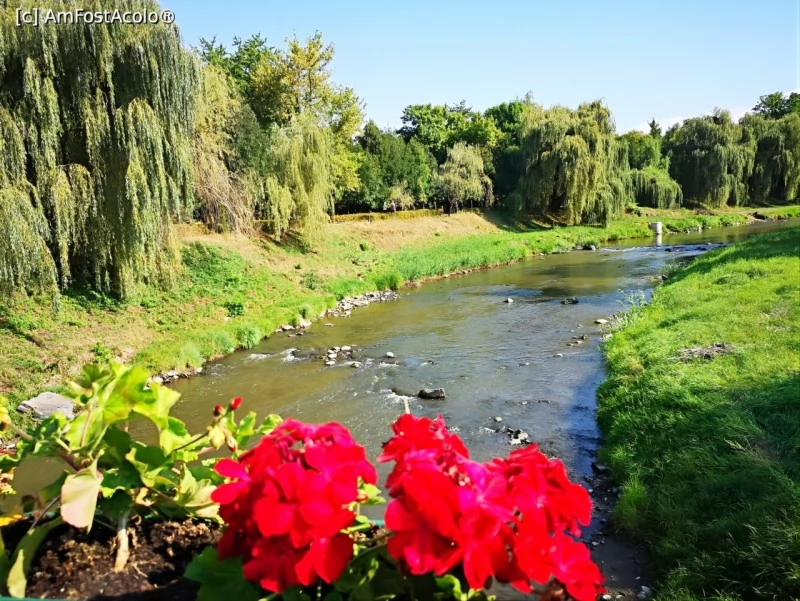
109, 478
453, 525
282, 519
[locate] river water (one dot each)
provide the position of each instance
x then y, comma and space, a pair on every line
494, 359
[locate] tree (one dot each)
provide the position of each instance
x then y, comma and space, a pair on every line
461, 178
574, 165
387, 161
655, 129
776, 164
298, 190
643, 150
221, 199
711, 159
509, 118
777, 105
239, 64
653, 187
95, 135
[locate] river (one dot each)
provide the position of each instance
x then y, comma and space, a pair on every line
511, 361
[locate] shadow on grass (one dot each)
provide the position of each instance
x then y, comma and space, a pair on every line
516, 224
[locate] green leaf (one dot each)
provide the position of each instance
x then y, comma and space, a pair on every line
79, 496
148, 460
217, 436
270, 422
155, 403
23, 555
86, 429
116, 444
124, 478
195, 495
117, 505
373, 494
220, 579
173, 436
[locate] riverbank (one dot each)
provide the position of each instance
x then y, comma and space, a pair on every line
233, 291
701, 416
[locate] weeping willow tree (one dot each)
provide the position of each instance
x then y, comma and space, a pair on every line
95, 140
222, 199
653, 187
711, 159
462, 178
297, 192
776, 165
574, 165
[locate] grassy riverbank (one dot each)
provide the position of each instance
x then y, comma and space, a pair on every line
233, 291
708, 449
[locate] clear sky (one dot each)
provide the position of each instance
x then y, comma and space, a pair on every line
668, 59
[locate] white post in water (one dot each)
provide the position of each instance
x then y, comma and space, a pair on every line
656, 227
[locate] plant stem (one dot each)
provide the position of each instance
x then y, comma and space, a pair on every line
123, 551
197, 438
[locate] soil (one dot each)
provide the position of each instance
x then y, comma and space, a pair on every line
73, 564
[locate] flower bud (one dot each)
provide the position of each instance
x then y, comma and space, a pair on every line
231, 444
236, 403
218, 410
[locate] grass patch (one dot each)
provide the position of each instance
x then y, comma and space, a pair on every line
707, 445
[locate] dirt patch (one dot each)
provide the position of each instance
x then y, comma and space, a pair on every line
704, 352
74, 564
390, 234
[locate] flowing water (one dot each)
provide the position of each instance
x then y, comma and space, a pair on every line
494, 359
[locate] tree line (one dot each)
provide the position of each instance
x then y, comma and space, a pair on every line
111, 133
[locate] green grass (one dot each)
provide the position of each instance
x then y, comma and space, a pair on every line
708, 451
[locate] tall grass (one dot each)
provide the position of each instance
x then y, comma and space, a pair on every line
708, 450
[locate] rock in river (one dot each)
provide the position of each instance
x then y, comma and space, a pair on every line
570, 301
601, 322
46, 404
431, 393
509, 300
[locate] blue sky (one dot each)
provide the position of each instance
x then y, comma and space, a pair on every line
668, 59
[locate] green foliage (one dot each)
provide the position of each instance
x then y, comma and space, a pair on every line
778, 105
298, 189
643, 150
234, 308
653, 187
109, 473
222, 199
711, 160
95, 124
438, 128
776, 165
462, 179
574, 165
708, 450
387, 161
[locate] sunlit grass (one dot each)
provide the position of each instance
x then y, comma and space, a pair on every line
708, 451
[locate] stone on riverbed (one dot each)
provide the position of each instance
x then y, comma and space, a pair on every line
570, 301
389, 355
601, 322
431, 393
46, 404
509, 300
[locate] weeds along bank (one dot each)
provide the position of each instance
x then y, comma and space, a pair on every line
701, 414
232, 291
